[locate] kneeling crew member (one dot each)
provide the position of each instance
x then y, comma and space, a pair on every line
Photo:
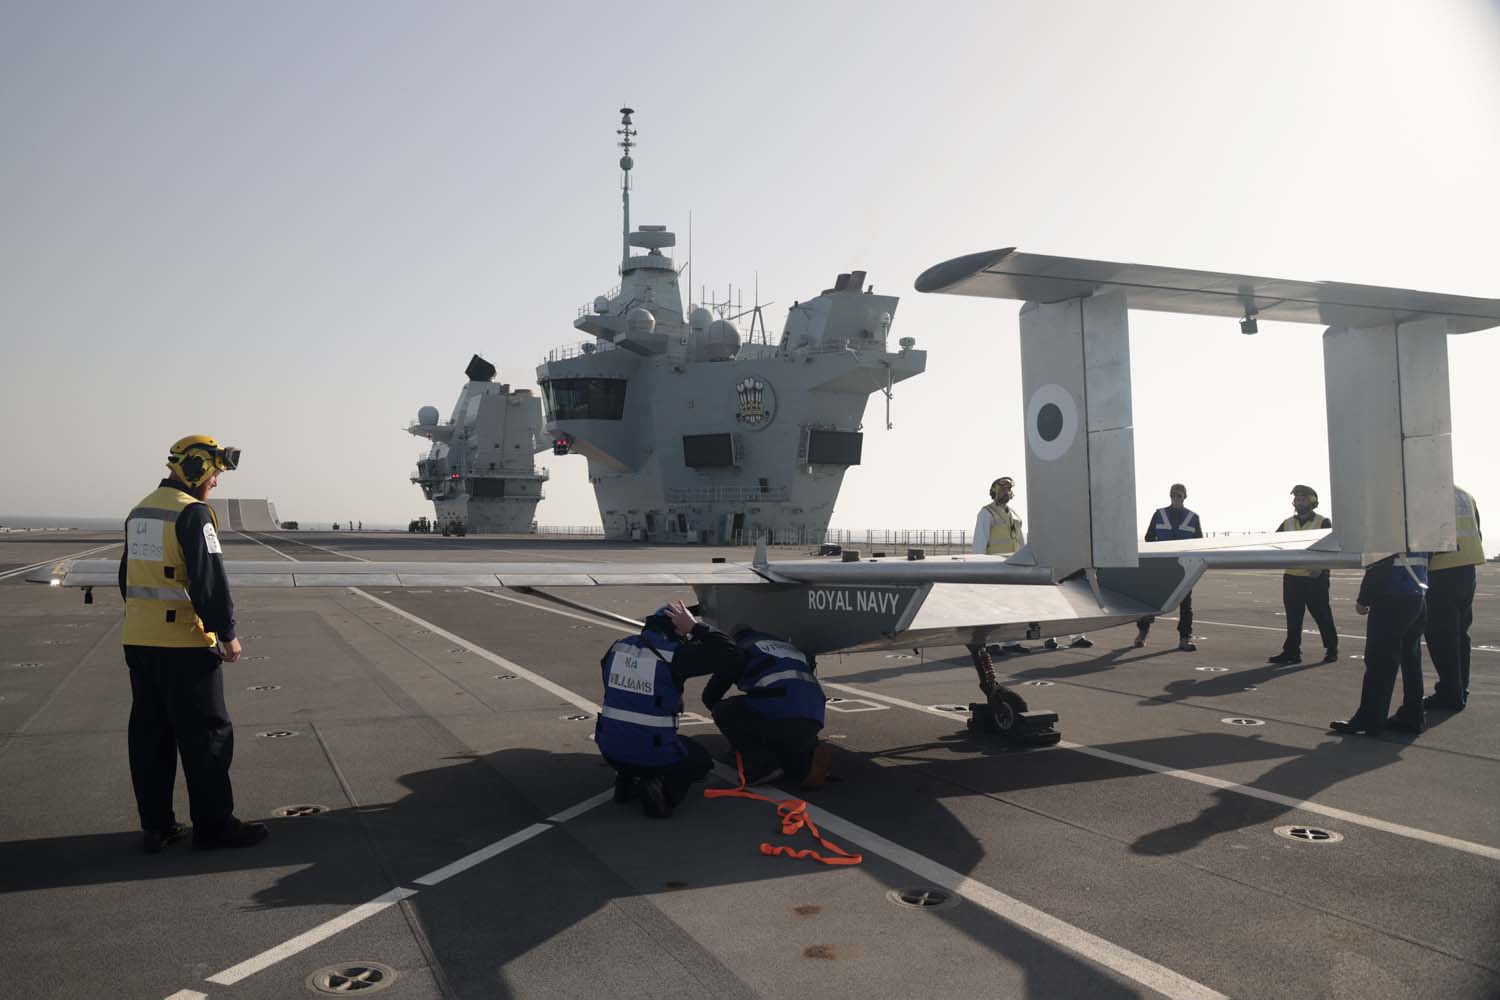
1391, 595
1450, 607
774, 725
1306, 589
1171, 523
179, 629
637, 728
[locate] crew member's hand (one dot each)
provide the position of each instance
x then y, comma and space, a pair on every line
682, 619
231, 650
1362, 609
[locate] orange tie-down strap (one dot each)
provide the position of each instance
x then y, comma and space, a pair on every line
793, 813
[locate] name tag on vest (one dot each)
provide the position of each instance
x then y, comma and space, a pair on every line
143, 539
631, 672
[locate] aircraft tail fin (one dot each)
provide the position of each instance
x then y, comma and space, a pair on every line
1080, 440
1390, 448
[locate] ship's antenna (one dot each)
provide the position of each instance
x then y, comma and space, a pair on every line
626, 132
690, 257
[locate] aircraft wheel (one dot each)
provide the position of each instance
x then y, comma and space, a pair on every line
1005, 708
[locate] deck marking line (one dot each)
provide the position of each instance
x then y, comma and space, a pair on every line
307, 939
468, 861
546, 607
1268, 628
273, 548
188, 995
480, 651
572, 812
48, 562
1028, 918
1358, 819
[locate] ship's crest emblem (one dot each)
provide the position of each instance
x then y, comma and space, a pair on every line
757, 402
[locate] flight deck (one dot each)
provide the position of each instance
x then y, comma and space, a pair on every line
441, 824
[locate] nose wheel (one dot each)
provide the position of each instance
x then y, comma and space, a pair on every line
1004, 713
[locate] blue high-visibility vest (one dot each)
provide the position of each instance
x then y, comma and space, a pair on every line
778, 680
1166, 531
638, 723
1409, 574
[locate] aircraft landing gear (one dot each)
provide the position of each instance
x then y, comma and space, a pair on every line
1004, 712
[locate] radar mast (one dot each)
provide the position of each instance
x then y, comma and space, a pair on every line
626, 132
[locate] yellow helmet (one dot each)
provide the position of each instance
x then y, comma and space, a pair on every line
197, 457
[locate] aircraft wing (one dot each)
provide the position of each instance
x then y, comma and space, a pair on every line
255, 573
1271, 550
1009, 274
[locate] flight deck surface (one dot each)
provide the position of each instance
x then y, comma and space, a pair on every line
466, 840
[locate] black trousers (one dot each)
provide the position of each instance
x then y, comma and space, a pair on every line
1184, 619
1393, 639
677, 777
1310, 594
1450, 612
177, 707
765, 743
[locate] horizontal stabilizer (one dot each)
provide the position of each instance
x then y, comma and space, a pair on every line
1008, 274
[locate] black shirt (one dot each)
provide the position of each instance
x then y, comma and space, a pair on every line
207, 583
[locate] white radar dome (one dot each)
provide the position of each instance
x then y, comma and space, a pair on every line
601, 304
699, 319
640, 322
721, 341
427, 416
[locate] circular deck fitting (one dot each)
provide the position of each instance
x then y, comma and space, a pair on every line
836, 701
1243, 722
1037, 684
307, 810
277, 734
257, 657
923, 897
457, 649
950, 708
1309, 834
505, 677
28, 665
351, 977
1212, 670
264, 687
247, 638
580, 717
898, 656
1252, 687
54, 642
836, 736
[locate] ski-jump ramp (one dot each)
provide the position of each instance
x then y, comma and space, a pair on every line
245, 515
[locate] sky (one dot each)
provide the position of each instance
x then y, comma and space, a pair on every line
289, 225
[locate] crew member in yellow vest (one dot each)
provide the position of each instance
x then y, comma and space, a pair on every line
179, 629
997, 531
1451, 579
1306, 590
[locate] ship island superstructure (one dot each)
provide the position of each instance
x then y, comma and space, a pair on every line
695, 434
480, 472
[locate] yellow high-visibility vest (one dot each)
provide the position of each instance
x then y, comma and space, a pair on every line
158, 611
1005, 530
1292, 524
1470, 551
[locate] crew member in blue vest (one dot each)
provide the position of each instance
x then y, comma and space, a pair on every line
637, 728
1391, 596
774, 724
1306, 589
1170, 523
1450, 607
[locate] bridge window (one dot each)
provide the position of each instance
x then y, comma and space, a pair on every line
584, 398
